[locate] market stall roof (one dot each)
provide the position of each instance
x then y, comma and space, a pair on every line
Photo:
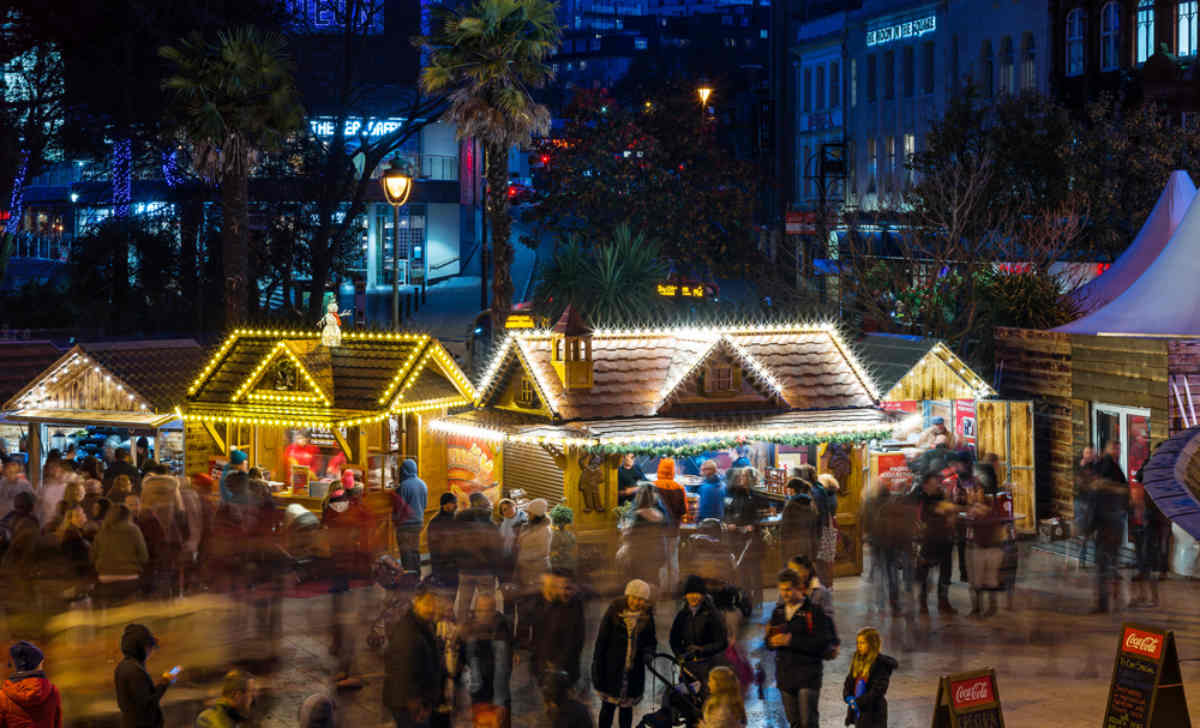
1162, 300
142, 376
643, 372
1161, 224
289, 378
896, 360
1172, 478
111, 418
21, 361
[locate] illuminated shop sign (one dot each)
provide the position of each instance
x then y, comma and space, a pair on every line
322, 128
900, 31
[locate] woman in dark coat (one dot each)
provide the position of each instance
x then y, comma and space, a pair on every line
866, 686
625, 639
741, 515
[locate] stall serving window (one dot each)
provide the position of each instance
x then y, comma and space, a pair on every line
532, 469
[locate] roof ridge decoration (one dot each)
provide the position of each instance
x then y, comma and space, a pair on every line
421, 357
77, 354
494, 374
281, 349
756, 371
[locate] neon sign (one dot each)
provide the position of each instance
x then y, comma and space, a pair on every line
900, 31
352, 127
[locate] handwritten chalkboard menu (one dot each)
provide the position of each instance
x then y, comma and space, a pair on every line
1147, 688
968, 700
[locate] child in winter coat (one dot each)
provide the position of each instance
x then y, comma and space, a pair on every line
866, 685
27, 698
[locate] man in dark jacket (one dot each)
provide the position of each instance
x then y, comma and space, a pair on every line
27, 697
138, 694
122, 466
800, 635
1111, 503
556, 618
937, 517
414, 663
408, 515
442, 536
479, 554
799, 526
698, 633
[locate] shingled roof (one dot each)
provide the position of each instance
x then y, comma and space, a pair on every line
636, 372
21, 361
370, 372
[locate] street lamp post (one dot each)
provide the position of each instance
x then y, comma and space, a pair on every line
704, 91
397, 184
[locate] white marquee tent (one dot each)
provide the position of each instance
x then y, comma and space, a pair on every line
1164, 219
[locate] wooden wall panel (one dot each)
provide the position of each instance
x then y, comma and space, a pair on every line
1183, 367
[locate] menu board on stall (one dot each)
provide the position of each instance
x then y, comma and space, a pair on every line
1147, 688
965, 424
968, 700
893, 471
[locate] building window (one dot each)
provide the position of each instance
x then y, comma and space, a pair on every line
526, 395
1110, 26
987, 71
412, 242
1028, 64
872, 164
910, 150
889, 75
1007, 68
807, 90
927, 60
835, 86
820, 87
853, 82
872, 78
1187, 28
1075, 41
1145, 30
908, 71
720, 379
890, 150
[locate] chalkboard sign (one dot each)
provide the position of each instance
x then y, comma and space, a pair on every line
968, 700
1147, 688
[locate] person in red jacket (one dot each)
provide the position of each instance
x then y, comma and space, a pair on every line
349, 526
27, 698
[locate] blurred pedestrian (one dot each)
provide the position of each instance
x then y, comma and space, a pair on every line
698, 634
711, 491
408, 514
479, 553
742, 522
800, 634
238, 692
799, 526
1111, 504
533, 547
814, 591
724, 707
138, 694
558, 628
988, 526
121, 466
239, 461
349, 526
487, 641
414, 665
936, 540
511, 521
1086, 475
441, 536
1150, 541
673, 498
11, 484
27, 697
563, 707
644, 541
54, 487
825, 498
625, 641
119, 556
866, 685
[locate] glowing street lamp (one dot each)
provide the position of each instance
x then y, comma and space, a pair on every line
397, 185
704, 91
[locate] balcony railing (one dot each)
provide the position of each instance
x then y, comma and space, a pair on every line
39, 247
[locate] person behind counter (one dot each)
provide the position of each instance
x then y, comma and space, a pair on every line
629, 474
711, 491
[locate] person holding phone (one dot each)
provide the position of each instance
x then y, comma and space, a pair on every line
138, 694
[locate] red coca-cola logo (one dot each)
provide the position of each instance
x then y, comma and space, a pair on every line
1144, 644
969, 693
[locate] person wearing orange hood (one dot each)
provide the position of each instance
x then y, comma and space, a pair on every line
674, 501
27, 698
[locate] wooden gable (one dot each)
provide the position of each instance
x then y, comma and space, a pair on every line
520, 392
293, 372
724, 378
78, 382
939, 375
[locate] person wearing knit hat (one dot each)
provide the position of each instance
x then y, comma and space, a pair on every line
27, 697
442, 537
537, 507
238, 460
533, 547
626, 636
698, 634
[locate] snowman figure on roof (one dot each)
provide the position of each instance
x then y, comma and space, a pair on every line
331, 325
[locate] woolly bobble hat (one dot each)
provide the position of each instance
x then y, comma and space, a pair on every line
25, 656
638, 588
537, 507
237, 457
448, 498
694, 585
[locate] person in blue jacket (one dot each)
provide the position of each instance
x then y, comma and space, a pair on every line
711, 491
238, 460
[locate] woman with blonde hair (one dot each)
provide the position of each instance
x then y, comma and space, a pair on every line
866, 686
724, 707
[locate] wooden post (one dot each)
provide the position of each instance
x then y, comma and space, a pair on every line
35, 456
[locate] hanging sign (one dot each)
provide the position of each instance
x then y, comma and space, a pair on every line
965, 431
968, 700
1147, 688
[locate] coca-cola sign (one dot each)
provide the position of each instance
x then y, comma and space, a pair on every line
972, 692
1141, 643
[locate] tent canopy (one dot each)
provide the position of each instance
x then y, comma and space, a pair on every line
1164, 219
1160, 300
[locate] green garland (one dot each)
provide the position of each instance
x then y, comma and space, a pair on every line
684, 447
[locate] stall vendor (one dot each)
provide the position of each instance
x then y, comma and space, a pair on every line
300, 452
935, 435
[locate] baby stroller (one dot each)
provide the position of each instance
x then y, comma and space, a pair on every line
398, 583
682, 702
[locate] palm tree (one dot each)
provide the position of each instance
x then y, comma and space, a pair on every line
488, 57
234, 100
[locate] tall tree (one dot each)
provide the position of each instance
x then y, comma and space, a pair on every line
489, 57
236, 99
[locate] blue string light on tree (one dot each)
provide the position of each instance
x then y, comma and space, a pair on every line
122, 178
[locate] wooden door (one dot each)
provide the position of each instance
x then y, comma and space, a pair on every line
1005, 429
853, 478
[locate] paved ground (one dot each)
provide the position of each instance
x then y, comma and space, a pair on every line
1053, 661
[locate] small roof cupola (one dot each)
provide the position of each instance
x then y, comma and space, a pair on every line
571, 343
